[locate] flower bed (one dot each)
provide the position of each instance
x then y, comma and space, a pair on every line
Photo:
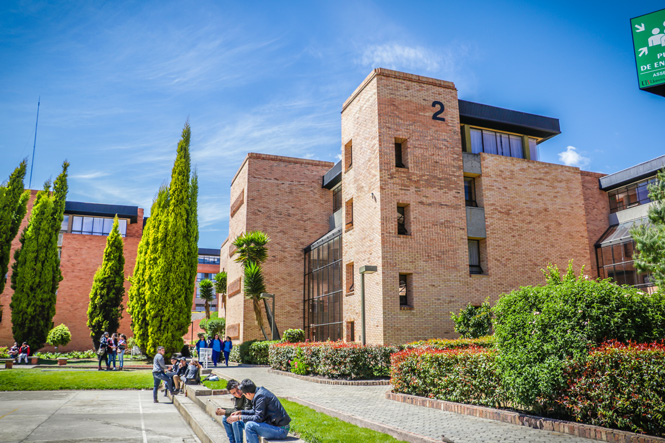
619, 386
464, 375
333, 359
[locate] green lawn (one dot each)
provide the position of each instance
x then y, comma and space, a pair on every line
219, 384
316, 427
59, 379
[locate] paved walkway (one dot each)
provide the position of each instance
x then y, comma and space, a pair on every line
90, 416
369, 402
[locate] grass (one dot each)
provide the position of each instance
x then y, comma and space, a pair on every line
61, 379
219, 384
316, 427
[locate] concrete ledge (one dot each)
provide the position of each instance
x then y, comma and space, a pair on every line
379, 427
328, 381
205, 429
531, 421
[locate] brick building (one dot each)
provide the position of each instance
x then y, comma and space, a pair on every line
206, 269
447, 198
82, 242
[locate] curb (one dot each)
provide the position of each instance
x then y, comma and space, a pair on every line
327, 381
531, 421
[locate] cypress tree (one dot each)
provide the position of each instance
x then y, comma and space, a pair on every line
105, 307
13, 205
36, 270
650, 239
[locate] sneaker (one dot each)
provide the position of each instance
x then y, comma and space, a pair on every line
154, 400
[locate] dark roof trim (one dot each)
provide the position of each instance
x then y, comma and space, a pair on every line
632, 174
209, 251
333, 176
326, 238
102, 210
506, 120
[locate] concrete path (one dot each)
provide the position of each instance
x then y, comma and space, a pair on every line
369, 403
90, 416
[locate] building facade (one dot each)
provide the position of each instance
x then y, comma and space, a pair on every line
207, 268
445, 197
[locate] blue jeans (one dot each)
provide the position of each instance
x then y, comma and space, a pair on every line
234, 430
160, 376
121, 358
226, 357
111, 358
253, 430
215, 357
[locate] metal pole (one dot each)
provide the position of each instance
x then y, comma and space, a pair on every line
362, 307
273, 317
34, 145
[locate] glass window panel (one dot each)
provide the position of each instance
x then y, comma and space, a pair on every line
108, 225
87, 225
629, 273
607, 255
77, 224
628, 250
489, 142
476, 141
504, 144
643, 193
599, 256
621, 199
516, 146
613, 202
324, 254
631, 196
97, 226
617, 253
65, 223
533, 149
474, 253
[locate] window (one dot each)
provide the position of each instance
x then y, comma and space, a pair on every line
348, 216
616, 261
631, 195
337, 198
492, 142
65, 223
474, 257
349, 278
350, 331
400, 153
348, 156
470, 191
209, 259
96, 225
403, 222
404, 290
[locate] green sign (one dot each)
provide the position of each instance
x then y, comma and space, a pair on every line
649, 44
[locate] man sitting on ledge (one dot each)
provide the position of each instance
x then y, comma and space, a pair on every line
267, 418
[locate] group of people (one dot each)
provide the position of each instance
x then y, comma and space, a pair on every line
110, 347
218, 347
20, 353
175, 378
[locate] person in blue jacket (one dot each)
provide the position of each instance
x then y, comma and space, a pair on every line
226, 348
200, 344
216, 346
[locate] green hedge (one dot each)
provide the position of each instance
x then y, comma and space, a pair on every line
463, 375
619, 386
460, 343
334, 359
259, 350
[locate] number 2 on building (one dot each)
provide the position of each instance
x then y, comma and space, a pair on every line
439, 112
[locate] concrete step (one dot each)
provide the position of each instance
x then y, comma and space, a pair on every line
206, 429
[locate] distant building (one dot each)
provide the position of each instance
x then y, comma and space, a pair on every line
208, 267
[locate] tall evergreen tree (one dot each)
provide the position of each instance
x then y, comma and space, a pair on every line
13, 204
36, 270
105, 307
650, 239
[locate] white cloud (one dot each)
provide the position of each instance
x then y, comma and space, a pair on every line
89, 175
396, 56
570, 157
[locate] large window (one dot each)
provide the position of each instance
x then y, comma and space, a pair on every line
337, 198
491, 142
616, 261
209, 259
323, 291
631, 195
96, 225
470, 191
474, 257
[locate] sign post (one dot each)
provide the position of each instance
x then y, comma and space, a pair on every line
649, 44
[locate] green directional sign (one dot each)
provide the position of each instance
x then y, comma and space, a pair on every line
649, 43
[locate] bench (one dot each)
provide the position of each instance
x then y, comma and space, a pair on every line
9, 362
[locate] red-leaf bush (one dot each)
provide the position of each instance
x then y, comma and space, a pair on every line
464, 375
334, 359
619, 386
460, 343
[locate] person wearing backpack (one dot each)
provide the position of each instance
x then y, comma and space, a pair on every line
102, 351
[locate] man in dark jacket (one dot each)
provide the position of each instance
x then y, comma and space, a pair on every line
267, 418
234, 430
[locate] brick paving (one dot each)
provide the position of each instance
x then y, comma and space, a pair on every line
369, 403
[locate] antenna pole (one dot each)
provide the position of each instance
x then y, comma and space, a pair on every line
32, 163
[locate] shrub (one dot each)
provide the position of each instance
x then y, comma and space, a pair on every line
538, 328
464, 375
293, 336
74, 355
473, 321
4, 352
258, 352
299, 364
240, 353
619, 386
59, 336
214, 326
334, 359
460, 343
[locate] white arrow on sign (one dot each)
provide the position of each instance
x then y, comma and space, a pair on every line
643, 51
639, 28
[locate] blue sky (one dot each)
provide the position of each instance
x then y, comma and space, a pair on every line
119, 79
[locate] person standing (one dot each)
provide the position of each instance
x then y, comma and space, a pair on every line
267, 418
23, 353
122, 346
234, 430
159, 373
199, 345
111, 349
101, 353
216, 349
228, 345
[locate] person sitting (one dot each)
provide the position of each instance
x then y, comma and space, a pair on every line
193, 374
171, 373
267, 418
13, 352
240, 402
23, 353
179, 377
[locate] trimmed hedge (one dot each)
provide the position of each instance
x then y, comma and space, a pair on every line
259, 352
240, 353
619, 386
335, 359
463, 375
460, 343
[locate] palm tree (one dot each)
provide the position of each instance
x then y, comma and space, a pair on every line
251, 247
220, 287
207, 294
254, 286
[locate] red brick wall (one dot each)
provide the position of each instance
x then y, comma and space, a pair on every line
597, 209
